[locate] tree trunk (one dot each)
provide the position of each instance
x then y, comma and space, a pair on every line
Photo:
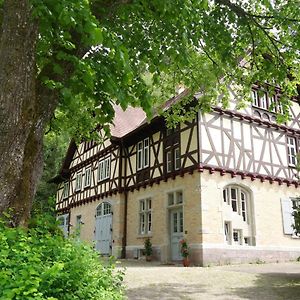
21, 124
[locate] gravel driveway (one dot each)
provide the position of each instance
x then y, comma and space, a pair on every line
253, 281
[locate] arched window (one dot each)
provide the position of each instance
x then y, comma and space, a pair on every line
238, 199
238, 218
103, 209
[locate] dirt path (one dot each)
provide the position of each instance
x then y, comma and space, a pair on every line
265, 281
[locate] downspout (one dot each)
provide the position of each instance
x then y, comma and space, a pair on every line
123, 182
125, 225
200, 170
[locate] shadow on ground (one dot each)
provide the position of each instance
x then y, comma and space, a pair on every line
273, 286
166, 291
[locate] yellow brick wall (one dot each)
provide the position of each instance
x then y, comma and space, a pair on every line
266, 204
160, 236
88, 211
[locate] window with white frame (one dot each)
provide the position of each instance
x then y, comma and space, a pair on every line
289, 206
292, 150
237, 236
103, 209
265, 100
143, 154
87, 178
227, 232
237, 198
145, 216
78, 181
173, 159
238, 212
66, 190
104, 169
175, 198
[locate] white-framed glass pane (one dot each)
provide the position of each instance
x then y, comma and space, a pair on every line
292, 150
169, 161
149, 219
254, 96
78, 181
175, 223
66, 190
87, 177
140, 156
171, 199
264, 100
177, 158
146, 152
179, 197
181, 221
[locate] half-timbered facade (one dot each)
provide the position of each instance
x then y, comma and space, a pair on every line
226, 182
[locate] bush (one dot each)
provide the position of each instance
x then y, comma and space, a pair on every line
39, 264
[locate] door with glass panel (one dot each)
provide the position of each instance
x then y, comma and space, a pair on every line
176, 228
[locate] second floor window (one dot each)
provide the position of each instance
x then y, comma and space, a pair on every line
143, 154
78, 181
292, 151
66, 190
87, 179
173, 159
104, 169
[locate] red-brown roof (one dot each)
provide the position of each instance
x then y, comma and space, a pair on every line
126, 121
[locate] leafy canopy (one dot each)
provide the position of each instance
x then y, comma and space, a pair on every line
96, 53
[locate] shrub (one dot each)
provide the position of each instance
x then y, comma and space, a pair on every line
38, 263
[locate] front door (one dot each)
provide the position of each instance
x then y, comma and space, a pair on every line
176, 226
103, 231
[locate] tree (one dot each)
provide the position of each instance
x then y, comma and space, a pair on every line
64, 63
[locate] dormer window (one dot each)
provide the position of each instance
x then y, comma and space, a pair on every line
264, 100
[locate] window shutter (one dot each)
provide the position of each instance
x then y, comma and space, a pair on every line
287, 218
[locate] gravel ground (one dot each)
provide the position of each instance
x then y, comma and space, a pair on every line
254, 281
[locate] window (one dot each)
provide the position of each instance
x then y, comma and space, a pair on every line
143, 153
87, 179
78, 181
289, 206
237, 198
238, 213
227, 232
104, 169
292, 151
237, 236
66, 190
78, 225
103, 209
175, 198
145, 216
173, 160
264, 100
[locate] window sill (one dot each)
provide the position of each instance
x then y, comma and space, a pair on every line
142, 236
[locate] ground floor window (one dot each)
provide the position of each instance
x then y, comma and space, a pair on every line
145, 216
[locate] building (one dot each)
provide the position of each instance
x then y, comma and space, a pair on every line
226, 182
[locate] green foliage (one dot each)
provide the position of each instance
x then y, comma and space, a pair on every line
39, 264
54, 150
296, 225
98, 53
148, 247
184, 249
